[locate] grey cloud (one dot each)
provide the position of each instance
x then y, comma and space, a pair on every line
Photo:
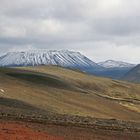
117, 26
70, 24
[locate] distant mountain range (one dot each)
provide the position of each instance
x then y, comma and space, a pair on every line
65, 58
133, 75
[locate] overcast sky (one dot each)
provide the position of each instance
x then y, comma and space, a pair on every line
100, 29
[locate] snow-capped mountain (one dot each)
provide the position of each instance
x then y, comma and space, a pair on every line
115, 64
43, 57
65, 58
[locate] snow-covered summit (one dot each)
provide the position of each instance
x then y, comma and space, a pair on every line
115, 64
44, 57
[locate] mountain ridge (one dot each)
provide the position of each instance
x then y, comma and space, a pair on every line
133, 75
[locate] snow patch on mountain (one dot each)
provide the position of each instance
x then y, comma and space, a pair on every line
115, 64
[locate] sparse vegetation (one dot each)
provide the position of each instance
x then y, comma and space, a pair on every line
64, 91
51, 95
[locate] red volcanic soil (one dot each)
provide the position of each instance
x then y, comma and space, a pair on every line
16, 131
35, 131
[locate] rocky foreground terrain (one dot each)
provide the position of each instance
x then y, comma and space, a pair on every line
63, 127
54, 103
